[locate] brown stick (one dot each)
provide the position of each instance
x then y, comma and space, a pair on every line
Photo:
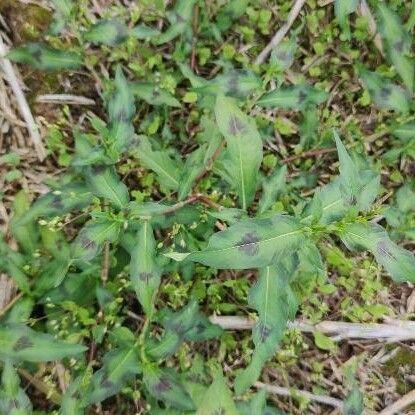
400, 404
393, 330
278, 390
21, 102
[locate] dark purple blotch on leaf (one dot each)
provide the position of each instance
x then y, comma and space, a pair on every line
107, 384
98, 169
302, 96
385, 92
22, 343
57, 202
163, 386
145, 276
88, 243
264, 332
236, 125
249, 244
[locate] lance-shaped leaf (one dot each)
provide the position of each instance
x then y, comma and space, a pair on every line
297, 97
104, 182
12, 263
275, 303
57, 202
385, 94
107, 32
41, 57
91, 238
231, 11
165, 385
153, 94
342, 9
405, 132
13, 399
180, 19
186, 324
121, 110
229, 215
251, 243
399, 262
26, 234
271, 188
353, 405
217, 399
63, 12
397, 43
71, 403
234, 83
20, 343
283, 54
193, 168
257, 405
119, 366
167, 169
327, 205
144, 272
142, 31
359, 188
244, 148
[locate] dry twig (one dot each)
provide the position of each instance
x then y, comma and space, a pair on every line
278, 390
392, 331
64, 99
400, 404
22, 102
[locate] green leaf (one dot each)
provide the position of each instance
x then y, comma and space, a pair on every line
57, 203
121, 110
20, 343
297, 97
167, 169
324, 342
193, 168
92, 236
187, 324
142, 32
107, 32
26, 234
397, 43
153, 94
119, 366
217, 399
234, 83
275, 302
283, 55
104, 182
355, 190
41, 57
165, 385
405, 132
399, 262
180, 20
231, 11
251, 243
271, 188
144, 272
385, 94
342, 9
353, 405
244, 148
13, 399
63, 12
